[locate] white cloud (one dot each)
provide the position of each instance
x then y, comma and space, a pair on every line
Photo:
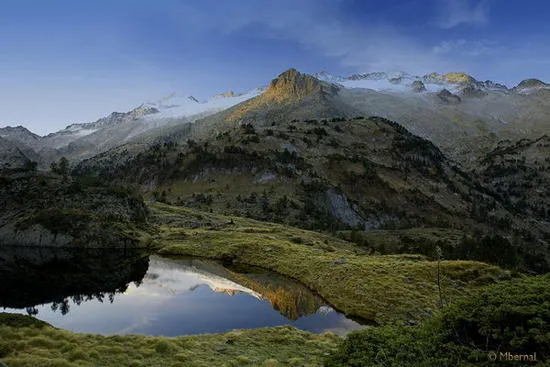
456, 12
466, 48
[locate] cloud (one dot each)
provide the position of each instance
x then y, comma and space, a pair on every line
456, 12
465, 48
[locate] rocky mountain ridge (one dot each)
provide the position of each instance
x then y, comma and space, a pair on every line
461, 115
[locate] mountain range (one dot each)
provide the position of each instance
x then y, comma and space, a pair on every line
461, 115
366, 152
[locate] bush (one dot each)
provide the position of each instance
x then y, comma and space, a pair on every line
512, 316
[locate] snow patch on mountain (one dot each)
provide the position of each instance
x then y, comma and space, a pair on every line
400, 82
174, 106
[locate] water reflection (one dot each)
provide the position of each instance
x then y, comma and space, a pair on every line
35, 276
126, 292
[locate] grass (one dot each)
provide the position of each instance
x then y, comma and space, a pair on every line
390, 289
510, 317
25, 343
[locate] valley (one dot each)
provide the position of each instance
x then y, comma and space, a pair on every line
389, 209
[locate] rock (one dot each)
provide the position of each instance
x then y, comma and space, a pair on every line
11, 156
471, 91
339, 207
532, 83
407, 280
445, 96
418, 87
340, 261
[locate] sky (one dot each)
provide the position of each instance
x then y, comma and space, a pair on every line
66, 61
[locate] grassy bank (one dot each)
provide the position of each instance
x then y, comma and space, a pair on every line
396, 289
27, 342
507, 319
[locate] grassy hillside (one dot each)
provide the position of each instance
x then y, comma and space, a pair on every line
334, 173
382, 289
511, 318
26, 342
45, 209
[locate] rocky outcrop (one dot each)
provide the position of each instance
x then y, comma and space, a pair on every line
448, 97
532, 86
472, 91
531, 83
284, 96
11, 156
293, 85
452, 78
339, 208
45, 210
418, 87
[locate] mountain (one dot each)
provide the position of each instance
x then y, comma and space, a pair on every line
359, 173
518, 172
463, 116
80, 141
11, 156
20, 134
44, 209
301, 153
291, 95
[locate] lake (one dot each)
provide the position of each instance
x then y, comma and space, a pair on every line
131, 292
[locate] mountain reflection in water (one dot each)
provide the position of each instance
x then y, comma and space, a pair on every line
109, 292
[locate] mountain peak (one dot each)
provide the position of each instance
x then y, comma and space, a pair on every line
19, 132
531, 83
290, 87
292, 84
452, 78
459, 78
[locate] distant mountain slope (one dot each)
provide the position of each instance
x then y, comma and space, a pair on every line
11, 156
364, 173
333, 174
80, 141
519, 172
461, 115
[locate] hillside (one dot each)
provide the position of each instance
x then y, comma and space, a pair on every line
11, 156
259, 160
44, 209
518, 172
463, 116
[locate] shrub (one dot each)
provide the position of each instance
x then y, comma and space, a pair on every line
512, 316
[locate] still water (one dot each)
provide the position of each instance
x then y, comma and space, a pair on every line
128, 292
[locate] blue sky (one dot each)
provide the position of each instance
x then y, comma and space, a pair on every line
66, 61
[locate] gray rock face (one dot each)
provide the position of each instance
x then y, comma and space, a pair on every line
447, 97
47, 210
11, 156
341, 209
418, 87
471, 91
20, 134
